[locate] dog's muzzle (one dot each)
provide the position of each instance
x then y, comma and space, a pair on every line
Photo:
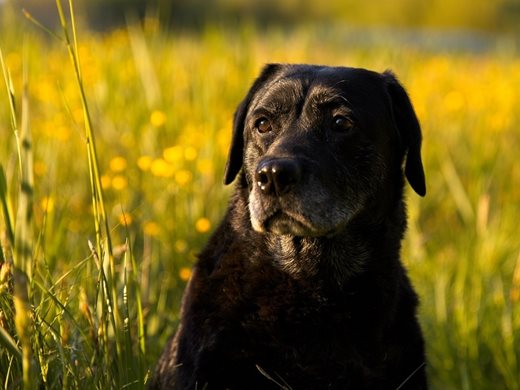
275, 207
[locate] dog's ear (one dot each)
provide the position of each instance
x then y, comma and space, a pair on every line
236, 150
409, 132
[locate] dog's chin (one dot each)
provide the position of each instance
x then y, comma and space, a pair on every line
281, 223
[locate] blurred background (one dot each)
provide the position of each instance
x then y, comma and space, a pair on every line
492, 15
158, 82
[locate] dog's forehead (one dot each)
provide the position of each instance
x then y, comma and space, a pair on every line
319, 83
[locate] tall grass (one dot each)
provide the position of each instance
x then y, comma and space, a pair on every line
110, 181
112, 356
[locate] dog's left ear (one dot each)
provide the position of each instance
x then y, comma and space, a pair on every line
409, 131
236, 151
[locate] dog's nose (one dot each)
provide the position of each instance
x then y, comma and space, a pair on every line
277, 176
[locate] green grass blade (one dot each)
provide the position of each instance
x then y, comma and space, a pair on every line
6, 209
10, 344
36, 22
12, 105
24, 219
48, 293
102, 228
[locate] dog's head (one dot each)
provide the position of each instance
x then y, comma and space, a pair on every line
319, 144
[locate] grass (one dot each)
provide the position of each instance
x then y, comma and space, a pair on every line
112, 155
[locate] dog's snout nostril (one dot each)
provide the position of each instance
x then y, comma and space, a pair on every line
276, 177
263, 179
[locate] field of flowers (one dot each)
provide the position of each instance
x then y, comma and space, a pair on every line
97, 244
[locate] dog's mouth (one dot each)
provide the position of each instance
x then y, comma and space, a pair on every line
287, 222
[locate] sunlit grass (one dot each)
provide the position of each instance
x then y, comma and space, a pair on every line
78, 310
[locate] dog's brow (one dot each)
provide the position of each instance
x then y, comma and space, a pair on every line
270, 107
278, 98
327, 99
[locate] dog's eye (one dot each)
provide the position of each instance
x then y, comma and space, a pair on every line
342, 123
263, 125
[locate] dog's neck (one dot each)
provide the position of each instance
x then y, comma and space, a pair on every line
312, 257
341, 257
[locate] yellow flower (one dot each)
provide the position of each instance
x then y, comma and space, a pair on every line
47, 204
202, 225
183, 177
173, 154
185, 273
151, 229
125, 219
106, 182
161, 168
118, 164
119, 182
158, 118
190, 153
144, 163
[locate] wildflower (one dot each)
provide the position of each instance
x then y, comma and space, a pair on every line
190, 153
183, 177
125, 219
106, 182
157, 118
185, 273
47, 204
119, 182
118, 164
144, 163
173, 154
202, 225
161, 168
151, 229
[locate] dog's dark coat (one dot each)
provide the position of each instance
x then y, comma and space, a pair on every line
301, 286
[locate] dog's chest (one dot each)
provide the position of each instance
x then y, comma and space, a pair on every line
264, 303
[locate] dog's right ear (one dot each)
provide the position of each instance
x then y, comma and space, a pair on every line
409, 131
236, 150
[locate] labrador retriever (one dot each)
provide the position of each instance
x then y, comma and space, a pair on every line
301, 286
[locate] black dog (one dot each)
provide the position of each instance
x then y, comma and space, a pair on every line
301, 286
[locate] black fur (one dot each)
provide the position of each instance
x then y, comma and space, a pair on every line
301, 286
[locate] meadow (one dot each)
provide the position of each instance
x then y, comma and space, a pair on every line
111, 162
